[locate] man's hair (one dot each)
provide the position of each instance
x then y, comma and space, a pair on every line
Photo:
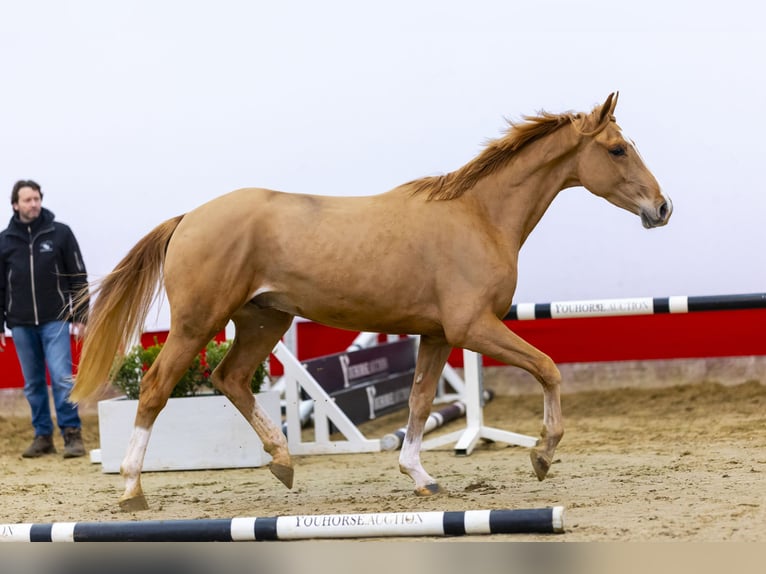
24, 183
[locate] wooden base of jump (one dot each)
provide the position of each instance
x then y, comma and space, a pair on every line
300, 527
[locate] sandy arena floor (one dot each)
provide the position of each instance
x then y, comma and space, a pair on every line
680, 463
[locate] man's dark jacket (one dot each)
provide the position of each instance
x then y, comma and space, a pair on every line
41, 271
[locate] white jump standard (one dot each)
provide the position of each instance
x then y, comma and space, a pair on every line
299, 527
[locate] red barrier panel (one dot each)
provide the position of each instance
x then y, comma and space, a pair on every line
598, 339
576, 340
10, 369
644, 337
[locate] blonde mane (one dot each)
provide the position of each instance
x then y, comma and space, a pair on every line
495, 156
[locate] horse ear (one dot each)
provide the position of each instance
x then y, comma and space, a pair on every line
607, 109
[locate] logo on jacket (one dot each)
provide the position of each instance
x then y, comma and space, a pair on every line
46, 246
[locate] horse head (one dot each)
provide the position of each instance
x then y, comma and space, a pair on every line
610, 166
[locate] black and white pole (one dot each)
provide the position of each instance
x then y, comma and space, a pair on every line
299, 527
455, 410
635, 306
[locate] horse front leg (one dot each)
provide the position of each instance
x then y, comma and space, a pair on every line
489, 336
432, 354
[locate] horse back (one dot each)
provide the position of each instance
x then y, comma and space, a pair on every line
370, 263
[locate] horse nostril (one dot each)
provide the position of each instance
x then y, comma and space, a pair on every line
663, 210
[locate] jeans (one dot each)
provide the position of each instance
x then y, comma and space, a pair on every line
35, 346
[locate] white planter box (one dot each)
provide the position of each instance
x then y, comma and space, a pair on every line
190, 433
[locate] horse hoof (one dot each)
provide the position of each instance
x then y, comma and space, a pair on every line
429, 489
283, 473
134, 504
540, 463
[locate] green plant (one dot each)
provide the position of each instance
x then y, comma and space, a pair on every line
196, 379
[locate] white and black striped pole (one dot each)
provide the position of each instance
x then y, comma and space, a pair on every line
455, 410
635, 306
299, 527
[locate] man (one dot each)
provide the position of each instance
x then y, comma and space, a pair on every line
41, 272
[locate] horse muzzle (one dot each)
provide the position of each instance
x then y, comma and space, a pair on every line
657, 216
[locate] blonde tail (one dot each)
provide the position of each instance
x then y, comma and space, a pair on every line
121, 302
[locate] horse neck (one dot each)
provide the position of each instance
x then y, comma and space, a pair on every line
515, 198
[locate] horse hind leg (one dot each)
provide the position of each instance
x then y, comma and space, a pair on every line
257, 332
157, 384
432, 355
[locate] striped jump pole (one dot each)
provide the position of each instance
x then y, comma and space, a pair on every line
299, 527
635, 306
455, 410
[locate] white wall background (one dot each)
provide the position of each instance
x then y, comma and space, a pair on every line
129, 112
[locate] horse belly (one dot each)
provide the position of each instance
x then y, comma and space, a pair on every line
377, 312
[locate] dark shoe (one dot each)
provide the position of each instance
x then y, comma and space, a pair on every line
43, 444
73, 446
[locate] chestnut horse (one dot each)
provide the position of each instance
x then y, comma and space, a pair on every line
435, 257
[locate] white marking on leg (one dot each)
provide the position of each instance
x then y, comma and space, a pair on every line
134, 458
409, 461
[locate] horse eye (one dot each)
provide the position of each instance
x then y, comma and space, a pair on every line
617, 150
